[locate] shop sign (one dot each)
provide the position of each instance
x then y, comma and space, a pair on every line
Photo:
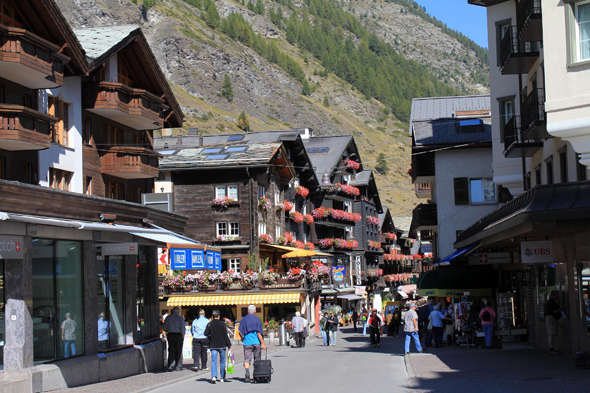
489, 258
426, 248
187, 259
119, 249
537, 252
359, 291
338, 272
357, 268
11, 247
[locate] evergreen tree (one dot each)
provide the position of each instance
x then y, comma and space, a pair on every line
305, 89
293, 29
226, 89
243, 122
211, 15
326, 102
259, 7
382, 167
250, 5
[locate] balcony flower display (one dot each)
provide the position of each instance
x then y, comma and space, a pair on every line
279, 207
264, 203
299, 244
323, 270
226, 238
271, 325
390, 236
269, 276
286, 239
289, 206
295, 273
265, 238
351, 164
248, 278
301, 191
373, 220
343, 188
223, 202
312, 274
178, 280
309, 246
339, 243
339, 215
390, 278
374, 244
389, 257
296, 216
204, 279
228, 277
308, 219
373, 273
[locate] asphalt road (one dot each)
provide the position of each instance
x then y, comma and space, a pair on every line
353, 365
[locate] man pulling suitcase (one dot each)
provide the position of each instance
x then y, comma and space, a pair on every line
253, 339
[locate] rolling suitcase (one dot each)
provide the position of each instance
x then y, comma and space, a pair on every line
262, 369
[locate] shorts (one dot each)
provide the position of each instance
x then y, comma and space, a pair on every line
251, 350
551, 324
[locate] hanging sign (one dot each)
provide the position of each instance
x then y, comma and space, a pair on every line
119, 249
338, 272
489, 258
11, 247
537, 252
426, 248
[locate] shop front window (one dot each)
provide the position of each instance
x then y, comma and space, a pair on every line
549, 278
145, 321
111, 301
58, 301
584, 295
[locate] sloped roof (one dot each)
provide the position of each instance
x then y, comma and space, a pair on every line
362, 178
97, 41
327, 161
403, 224
227, 139
194, 158
449, 132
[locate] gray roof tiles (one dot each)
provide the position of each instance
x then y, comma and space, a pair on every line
326, 162
362, 178
96, 41
446, 107
448, 132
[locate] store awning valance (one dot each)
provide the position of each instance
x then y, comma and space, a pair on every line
232, 300
461, 253
443, 282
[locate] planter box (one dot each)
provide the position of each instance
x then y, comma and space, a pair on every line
230, 205
227, 243
236, 286
281, 283
179, 289
212, 287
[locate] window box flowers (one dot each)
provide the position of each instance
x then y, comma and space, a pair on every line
286, 239
345, 189
299, 244
312, 274
374, 273
351, 164
390, 236
301, 191
309, 246
264, 238
179, 282
323, 270
373, 220
308, 219
295, 274
279, 207
374, 244
323, 213
296, 216
339, 243
205, 281
269, 277
264, 203
227, 239
289, 206
389, 257
232, 280
224, 203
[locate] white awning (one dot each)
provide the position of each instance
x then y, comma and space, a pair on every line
403, 294
165, 238
350, 297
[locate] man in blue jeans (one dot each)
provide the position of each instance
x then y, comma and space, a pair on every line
411, 329
253, 339
487, 316
219, 342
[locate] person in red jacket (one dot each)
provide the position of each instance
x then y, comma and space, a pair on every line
375, 328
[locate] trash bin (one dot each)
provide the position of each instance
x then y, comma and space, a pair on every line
283, 342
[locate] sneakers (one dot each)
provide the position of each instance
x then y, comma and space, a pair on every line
422, 350
247, 376
377, 344
221, 380
553, 351
204, 368
213, 380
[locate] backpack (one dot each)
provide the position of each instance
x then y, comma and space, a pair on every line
486, 317
396, 314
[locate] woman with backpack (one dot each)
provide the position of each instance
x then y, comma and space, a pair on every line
487, 316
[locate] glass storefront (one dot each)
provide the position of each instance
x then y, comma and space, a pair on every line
111, 301
58, 299
144, 300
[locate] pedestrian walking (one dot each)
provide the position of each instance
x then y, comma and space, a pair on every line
449, 321
375, 328
298, 326
365, 317
305, 332
389, 323
324, 329
219, 342
487, 316
333, 328
411, 329
68, 335
436, 318
552, 316
396, 321
174, 334
355, 318
423, 315
252, 338
200, 341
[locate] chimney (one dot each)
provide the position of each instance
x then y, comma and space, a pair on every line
166, 132
200, 141
179, 140
306, 134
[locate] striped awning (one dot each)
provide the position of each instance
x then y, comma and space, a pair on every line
232, 300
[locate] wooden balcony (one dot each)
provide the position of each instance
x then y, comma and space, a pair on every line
130, 163
22, 128
517, 56
135, 108
423, 168
425, 216
423, 190
29, 60
529, 20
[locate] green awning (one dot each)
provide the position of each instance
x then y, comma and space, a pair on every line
443, 282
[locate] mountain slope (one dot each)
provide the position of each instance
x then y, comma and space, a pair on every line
195, 58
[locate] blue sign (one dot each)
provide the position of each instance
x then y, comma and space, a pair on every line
187, 259
338, 272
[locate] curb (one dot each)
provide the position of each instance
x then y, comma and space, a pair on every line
409, 368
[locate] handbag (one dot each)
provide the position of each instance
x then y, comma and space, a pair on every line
430, 325
229, 364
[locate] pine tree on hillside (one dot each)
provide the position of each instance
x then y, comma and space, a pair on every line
250, 5
211, 15
326, 102
259, 7
306, 90
226, 89
243, 122
293, 29
382, 167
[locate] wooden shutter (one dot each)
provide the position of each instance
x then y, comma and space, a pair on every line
461, 191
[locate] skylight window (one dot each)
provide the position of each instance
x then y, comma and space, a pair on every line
467, 123
323, 149
212, 150
216, 157
167, 152
313, 150
235, 148
235, 138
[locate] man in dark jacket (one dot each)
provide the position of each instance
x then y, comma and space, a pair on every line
174, 333
218, 342
423, 315
333, 328
355, 318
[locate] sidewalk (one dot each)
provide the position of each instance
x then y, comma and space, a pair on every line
149, 381
454, 369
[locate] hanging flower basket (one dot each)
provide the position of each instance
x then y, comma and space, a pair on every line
289, 206
374, 244
286, 239
264, 203
373, 220
343, 189
390, 236
264, 238
301, 191
351, 164
279, 207
308, 219
296, 217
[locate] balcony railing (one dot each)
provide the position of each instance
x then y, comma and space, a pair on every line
29, 60
425, 216
423, 190
516, 56
528, 20
135, 108
423, 168
532, 109
515, 143
22, 128
130, 163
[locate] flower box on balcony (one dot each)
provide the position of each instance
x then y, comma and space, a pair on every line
209, 288
282, 283
187, 288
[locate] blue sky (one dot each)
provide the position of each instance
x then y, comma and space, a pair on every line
461, 16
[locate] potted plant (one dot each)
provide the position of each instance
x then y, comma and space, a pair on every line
205, 281
264, 203
264, 238
351, 164
178, 282
269, 277
374, 244
223, 203
301, 191
296, 217
295, 274
308, 219
289, 206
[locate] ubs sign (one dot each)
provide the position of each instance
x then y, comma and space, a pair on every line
537, 252
11, 247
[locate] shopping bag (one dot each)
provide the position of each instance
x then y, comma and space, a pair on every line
229, 363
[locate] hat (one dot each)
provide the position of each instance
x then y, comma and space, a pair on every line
68, 314
437, 307
412, 305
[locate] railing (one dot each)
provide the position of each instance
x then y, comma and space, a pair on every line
19, 123
121, 159
425, 214
532, 110
422, 165
511, 132
511, 46
525, 11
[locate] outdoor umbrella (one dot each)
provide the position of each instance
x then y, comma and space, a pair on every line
299, 254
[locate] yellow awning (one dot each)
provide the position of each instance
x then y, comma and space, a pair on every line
287, 248
232, 300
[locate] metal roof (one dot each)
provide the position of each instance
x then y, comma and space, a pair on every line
362, 178
225, 139
98, 40
449, 132
165, 238
327, 161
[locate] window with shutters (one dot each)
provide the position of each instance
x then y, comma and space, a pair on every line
461, 191
482, 191
60, 180
60, 130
